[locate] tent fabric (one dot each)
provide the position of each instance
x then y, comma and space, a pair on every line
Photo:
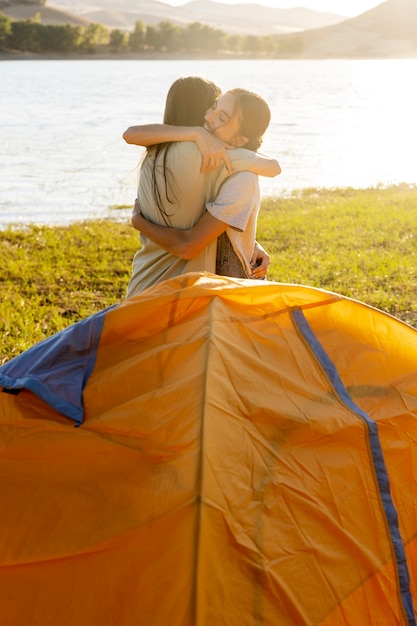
57, 369
245, 455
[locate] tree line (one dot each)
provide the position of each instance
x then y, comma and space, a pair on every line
33, 36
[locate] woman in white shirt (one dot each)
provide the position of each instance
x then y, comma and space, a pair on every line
177, 184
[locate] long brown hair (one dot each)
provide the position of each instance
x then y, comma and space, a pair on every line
186, 104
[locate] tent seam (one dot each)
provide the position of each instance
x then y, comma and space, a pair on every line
390, 513
200, 469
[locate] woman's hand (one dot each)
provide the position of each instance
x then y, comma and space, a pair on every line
213, 151
136, 214
260, 261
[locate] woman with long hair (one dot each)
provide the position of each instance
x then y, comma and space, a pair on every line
176, 182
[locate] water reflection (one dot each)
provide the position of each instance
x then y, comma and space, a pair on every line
334, 123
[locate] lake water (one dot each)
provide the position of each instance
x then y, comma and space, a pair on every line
62, 156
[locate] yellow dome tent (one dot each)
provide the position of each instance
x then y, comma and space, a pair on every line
212, 452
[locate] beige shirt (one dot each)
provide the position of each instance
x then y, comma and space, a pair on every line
187, 202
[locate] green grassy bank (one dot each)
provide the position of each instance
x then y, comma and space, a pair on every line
360, 243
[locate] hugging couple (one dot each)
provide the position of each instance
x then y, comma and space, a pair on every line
198, 194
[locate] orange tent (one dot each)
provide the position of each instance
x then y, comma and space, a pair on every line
212, 451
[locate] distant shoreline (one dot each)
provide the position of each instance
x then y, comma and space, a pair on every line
163, 56
123, 56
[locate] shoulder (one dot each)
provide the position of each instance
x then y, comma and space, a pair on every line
184, 159
241, 159
241, 189
243, 179
185, 148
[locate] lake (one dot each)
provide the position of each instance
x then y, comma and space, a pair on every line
62, 156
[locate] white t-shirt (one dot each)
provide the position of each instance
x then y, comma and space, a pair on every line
237, 205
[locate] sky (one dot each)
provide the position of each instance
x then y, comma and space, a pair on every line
348, 8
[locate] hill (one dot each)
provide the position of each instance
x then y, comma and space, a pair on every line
49, 15
388, 30
252, 19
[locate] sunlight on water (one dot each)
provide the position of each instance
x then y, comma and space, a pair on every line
62, 156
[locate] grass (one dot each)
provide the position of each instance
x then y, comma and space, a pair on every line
51, 277
360, 243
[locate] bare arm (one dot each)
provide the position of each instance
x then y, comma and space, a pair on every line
265, 166
185, 244
188, 243
150, 134
213, 150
